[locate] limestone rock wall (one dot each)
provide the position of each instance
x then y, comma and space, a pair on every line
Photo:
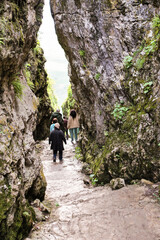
113, 50
36, 69
21, 173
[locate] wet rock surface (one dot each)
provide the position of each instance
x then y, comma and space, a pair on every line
83, 213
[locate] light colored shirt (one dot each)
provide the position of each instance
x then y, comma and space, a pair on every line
52, 127
73, 123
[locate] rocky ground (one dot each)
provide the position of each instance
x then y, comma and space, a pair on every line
81, 212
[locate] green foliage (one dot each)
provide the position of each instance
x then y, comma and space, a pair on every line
147, 48
119, 111
94, 179
151, 45
82, 53
127, 61
70, 102
97, 76
9, 28
78, 153
140, 62
156, 24
28, 76
2, 41
26, 214
106, 133
51, 94
147, 86
18, 87
1, 129
5, 205
3, 24
37, 50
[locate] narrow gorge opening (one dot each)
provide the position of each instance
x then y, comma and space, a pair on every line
56, 64
56, 67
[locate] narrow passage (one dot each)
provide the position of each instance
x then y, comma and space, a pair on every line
93, 213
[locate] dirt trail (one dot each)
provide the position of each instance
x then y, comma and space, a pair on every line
93, 213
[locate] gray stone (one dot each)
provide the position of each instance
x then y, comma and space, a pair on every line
146, 182
39, 215
117, 183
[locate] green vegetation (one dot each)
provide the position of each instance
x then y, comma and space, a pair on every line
23, 222
94, 179
147, 86
70, 103
119, 111
51, 94
9, 28
82, 53
78, 153
1, 41
156, 24
28, 76
148, 47
37, 50
97, 76
105, 133
1, 129
18, 87
127, 61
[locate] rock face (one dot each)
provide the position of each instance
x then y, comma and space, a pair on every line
113, 50
39, 78
21, 173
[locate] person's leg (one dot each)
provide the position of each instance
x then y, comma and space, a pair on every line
54, 155
71, 133
75, 134
67, 133
60, 155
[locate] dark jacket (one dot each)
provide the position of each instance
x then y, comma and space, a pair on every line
65, 121
57, 115
56, 139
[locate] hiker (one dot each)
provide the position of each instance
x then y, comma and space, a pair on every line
57, 115
73, 125
52, 125
65, 121
56, 139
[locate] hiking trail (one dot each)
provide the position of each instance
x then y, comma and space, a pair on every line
93, 213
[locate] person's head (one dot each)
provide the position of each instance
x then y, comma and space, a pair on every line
54, 120
57, 125
73, 113
58, 110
